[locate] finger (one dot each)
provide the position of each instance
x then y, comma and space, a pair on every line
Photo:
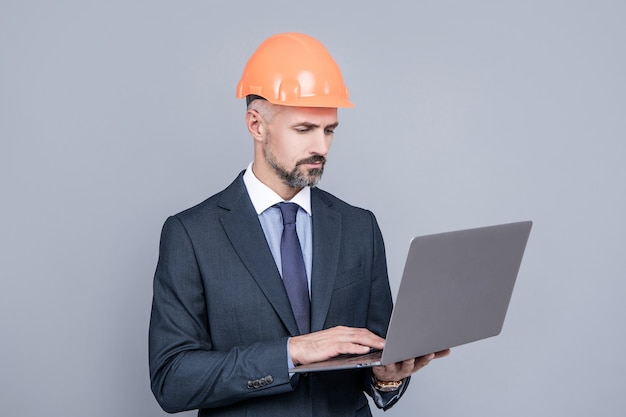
442, 353
423, 361
358, 336
350, 348
407, 366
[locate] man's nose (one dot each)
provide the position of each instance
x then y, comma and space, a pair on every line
321, 143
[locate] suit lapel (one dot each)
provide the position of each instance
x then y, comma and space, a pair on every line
326, 243
244, 231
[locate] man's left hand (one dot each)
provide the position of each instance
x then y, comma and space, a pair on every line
400, 370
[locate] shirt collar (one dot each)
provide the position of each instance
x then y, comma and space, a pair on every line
263, 197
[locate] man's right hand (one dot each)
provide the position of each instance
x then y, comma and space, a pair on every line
326, 344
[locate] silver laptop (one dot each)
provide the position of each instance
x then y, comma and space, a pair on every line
455, 289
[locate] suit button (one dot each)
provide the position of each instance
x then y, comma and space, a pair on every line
268, 379
250, 384
256, 384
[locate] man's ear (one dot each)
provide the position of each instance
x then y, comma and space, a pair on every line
256, 124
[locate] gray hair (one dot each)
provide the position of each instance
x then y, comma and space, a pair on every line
266, 109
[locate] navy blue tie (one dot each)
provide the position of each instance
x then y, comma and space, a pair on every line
294, 272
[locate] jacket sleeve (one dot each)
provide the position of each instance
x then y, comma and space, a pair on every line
185, 372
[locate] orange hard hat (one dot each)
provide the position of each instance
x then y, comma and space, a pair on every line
293, 69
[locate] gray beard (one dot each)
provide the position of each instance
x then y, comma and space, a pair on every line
296, 178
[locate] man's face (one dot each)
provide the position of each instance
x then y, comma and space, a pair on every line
297, 143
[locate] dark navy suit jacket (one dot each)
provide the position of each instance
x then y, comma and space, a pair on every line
221, 317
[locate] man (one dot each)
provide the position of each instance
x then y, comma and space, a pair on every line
239, 297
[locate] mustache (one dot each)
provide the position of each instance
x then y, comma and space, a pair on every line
312, 160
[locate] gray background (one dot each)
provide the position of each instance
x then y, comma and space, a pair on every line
115, 114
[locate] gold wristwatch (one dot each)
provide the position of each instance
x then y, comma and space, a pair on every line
387, 386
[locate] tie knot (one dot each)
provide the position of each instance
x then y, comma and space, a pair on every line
289, 211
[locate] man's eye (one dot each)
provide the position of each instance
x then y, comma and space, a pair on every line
302, 129
329, 131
